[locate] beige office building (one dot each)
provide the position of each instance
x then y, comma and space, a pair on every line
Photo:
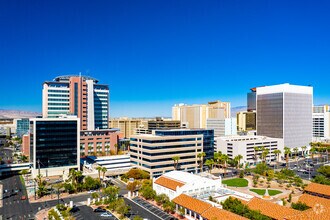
246, 121
195, 116
153, 153
128, 126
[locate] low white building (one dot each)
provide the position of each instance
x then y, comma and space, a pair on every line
175, 183
222, 127
116, 164
245, 146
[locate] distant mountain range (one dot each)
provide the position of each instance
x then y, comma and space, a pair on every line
4, 113
234, 110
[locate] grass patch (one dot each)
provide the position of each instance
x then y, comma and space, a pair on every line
271, 192
238, 182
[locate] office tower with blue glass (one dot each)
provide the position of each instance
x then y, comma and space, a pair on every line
54, 145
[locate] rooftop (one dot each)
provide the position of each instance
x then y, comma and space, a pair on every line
318, 188
312, 201
216, 213
169, 183
183, 177
67, 77
276, 211
191, 203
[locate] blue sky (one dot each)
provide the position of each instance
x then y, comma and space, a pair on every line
157, 53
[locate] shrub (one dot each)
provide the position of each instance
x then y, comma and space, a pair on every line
299, 206
241, 174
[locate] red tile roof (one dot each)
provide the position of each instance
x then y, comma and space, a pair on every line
216, 213
191, 203
312, 201
318, 188
168, 183
271, 209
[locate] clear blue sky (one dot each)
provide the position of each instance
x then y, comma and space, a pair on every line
157, 53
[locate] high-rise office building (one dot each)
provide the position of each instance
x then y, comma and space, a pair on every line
285, 111
77, 95
195, 116
251, 100
321, 123
54, 147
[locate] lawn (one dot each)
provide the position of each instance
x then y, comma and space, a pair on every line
271, 192
238, 182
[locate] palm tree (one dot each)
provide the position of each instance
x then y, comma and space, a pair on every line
103, 170
238, 158
312, 151
72, 176
287, 152
304, 149
176, 161
224, 159
296, 153
264, 153
201, 156
277, 152
209, 163
256, 150
216, 157
99, 169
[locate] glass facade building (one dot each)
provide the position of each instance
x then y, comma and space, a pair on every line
285, 111
54, 143
22, 127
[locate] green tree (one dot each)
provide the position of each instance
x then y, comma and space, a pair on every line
217, 157
112, 192
238, 158
256, 152
132, 186
264, 154
277, 152
99, 170
295, 150
299, 206
147, 192
224, 159
312, 151
325, 171
169, 206
287, 152
261, 168
209, 163
137, 218
176, 161
103, 170
303, 148
201, 156
321, 180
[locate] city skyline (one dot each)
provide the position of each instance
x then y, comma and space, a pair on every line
155, 55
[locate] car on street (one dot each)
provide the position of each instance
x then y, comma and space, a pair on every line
106, 214
99, 209
23, 198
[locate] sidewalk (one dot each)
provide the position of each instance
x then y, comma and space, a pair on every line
54, 196
42, 214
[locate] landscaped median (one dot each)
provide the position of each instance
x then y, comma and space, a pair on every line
236, 182
271, 192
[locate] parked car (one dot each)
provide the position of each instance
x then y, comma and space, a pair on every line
99, 209
106, 214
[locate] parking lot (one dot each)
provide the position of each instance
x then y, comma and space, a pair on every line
155, 210
86, 213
